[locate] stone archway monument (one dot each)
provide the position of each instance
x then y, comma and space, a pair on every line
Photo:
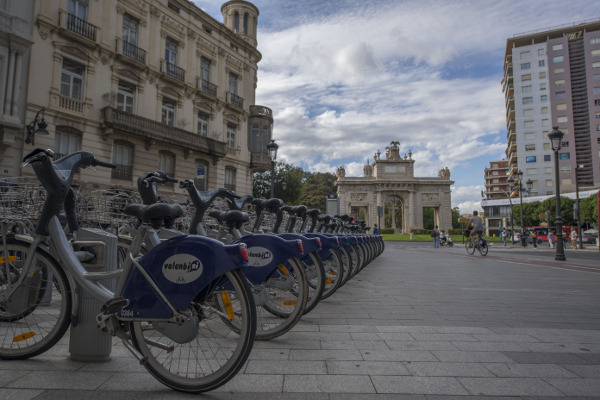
389, 185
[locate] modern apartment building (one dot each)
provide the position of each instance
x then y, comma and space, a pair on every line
496, 176
147, 85
552, 78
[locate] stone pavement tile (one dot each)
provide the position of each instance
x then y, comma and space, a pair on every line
134, 382
398, 355
418, 385
593, 358
269, 354
286, 344
509, 387
61, 380
407, 329
127, 364
585, 371
512, 370
20, 394
166, 394
436, 397
488, 346
419, 345
328, 384
304, 326
381, 336
463, 329
577, 387
366, 368
562, 347
441, 337
318, 336
506, 338
325, 355
277, 396
242, 383
42, 363
470, 356
545, 358
354, 344
379, 396
285, 367
347, 328
448, 369
8, 376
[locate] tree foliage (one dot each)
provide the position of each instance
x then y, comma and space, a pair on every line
286, 175
588, 209
316, 187
455, 216
534, 213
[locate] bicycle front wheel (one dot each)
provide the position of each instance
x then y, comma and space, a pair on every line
315, 274
216, 353
470, 247
37, 314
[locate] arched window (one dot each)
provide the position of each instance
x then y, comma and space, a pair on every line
266, 133
246, 24
123, 158
236, 22
255, 142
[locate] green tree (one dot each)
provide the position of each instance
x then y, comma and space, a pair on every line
316, 187
455, 216
428, 218
588, 209
287, 176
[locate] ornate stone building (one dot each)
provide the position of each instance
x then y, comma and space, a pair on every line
147, 85
389, 185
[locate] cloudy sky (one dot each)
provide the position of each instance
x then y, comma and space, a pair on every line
346, 77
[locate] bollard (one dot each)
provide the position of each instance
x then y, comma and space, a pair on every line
87, 343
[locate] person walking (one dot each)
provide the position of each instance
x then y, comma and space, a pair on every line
551, 239
435, 234
573, 236
375, 230
534, 238
504, 234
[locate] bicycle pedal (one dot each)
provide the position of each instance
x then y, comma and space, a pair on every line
114, 305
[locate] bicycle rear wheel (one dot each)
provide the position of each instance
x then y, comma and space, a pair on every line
483, 249
315, 274
216, 353
38, 313
334, 273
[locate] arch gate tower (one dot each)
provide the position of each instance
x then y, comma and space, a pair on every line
389, 185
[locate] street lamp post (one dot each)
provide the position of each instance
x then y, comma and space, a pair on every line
512, 226
38, 125
556, 140
272, 149
577, 169
521, 189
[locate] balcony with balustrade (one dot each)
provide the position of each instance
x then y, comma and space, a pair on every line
235, 100
153, 131
131, 54
172, 72
78, 29
205, 87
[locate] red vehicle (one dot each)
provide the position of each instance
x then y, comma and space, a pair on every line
541, 231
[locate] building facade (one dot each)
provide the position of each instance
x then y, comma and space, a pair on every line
16, 26
150, 84
389, 185
552, 78
496, 176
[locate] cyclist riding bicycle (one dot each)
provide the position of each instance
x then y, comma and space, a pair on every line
476, 226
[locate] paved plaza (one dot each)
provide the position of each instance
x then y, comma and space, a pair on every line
418, 323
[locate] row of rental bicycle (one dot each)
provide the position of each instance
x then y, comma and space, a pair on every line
186, 288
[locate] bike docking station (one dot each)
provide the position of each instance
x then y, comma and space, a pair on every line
88, 343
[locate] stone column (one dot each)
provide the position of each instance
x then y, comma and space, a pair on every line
10, 80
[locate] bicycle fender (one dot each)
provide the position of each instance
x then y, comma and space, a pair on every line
266, 253
327, 243
181, 267
309, 244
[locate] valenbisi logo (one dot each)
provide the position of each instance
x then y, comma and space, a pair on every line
259, 256
182, 268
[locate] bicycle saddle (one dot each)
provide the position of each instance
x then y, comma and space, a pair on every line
274, 204
157, 214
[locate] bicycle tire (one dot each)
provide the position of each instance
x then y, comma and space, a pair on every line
346, 264
483, 250
470, 247
334, 273
315, 275
214, 355
31, 326
282, 308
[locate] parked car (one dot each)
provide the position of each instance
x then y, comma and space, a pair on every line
589, 238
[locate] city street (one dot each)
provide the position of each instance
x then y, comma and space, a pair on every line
417, 323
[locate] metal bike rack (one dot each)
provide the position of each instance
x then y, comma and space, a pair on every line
87, 343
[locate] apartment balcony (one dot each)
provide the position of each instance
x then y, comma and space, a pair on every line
130, 53
205, 86
235, 100
511, 135
154, 131
69, 105
172, 72
78, 29
259, 162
